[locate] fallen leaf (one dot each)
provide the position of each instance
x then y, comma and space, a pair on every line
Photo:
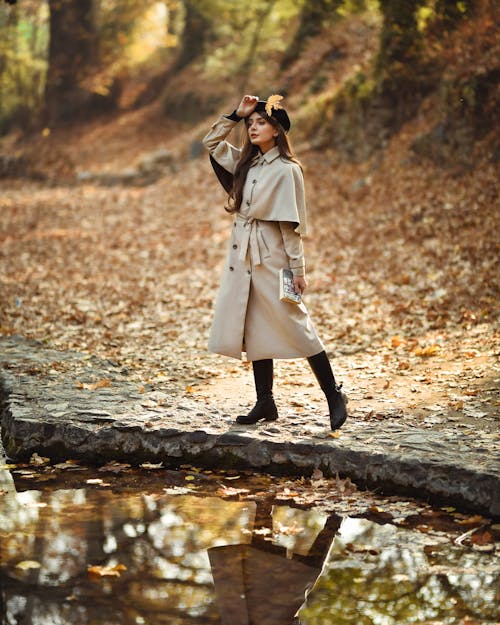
151, 465
288, 530
38, 461
114, 467
317, 474
229, 491
92, 386
477, 519
426, 352
27, 565
484, 537
106, 571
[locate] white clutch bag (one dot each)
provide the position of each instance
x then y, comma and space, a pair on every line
287, 291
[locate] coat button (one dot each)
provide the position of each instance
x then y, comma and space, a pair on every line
235, 247
248, 271
248, 202
231, 268
254, 181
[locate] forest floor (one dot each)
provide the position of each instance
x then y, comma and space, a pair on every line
402, 269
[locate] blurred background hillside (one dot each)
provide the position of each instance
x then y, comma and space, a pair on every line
353, 71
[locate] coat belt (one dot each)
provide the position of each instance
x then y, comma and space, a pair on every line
250, 240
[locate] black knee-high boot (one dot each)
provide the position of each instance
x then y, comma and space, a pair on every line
265, 408
321, 368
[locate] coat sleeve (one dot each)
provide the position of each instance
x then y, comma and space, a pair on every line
293, 248
300, 200
226, 154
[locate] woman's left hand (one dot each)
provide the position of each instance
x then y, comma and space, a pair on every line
299, 284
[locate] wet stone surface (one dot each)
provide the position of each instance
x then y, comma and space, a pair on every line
72, 405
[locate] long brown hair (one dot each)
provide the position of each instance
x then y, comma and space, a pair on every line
248, 153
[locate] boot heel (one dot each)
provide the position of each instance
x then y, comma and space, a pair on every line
264, 409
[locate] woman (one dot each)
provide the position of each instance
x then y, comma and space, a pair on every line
266, 196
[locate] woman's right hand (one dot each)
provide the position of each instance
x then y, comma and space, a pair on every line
247, 105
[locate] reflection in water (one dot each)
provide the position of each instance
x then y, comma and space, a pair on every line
193, 560
266, 582
381, 574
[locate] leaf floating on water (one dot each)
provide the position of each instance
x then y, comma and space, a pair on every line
288, 530
114, 467
106, 571
69, 464
39, 461
151, 465
488, 548
263, 531
178, 490
229, 491
477, 519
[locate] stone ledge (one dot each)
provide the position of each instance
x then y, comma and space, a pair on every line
56, 419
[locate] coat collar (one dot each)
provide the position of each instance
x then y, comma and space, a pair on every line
268, 157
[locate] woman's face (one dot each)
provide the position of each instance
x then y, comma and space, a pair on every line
261, 132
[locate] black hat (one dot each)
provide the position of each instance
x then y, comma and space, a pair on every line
272, 108
277, 112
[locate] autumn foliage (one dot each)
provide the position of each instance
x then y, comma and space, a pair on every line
102, 252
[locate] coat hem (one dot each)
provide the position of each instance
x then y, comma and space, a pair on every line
266, 356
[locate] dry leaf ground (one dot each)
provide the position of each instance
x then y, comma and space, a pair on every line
402, 270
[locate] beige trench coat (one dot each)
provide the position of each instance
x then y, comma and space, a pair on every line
249, 315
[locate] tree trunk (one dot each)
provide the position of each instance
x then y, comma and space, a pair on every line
259, 22
197, 30
313, 16
71, 52
399, 39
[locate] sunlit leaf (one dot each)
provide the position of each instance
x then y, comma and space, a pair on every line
27, 565
106, 571
273, 101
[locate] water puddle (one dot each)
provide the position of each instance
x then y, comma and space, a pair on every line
124, 546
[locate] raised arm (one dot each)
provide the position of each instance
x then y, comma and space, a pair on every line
226, 154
